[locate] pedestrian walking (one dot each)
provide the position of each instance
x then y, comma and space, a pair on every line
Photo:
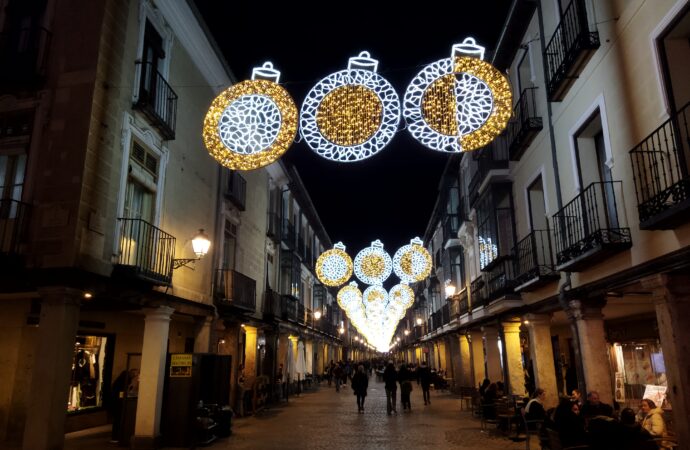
425, 381
390, 379
359, 383
405, 379
338, 376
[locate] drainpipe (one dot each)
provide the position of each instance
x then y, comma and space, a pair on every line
565, 287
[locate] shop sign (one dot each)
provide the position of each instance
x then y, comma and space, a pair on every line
181, 365
657, 394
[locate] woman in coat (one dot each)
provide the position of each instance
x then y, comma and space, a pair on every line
653, 420
360, 383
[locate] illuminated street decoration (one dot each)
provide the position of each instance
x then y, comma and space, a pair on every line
252, 123
458, 104
352, 114
349, 295
334, 266
375, 295
372, 264
412, 262
402, 295
488, 251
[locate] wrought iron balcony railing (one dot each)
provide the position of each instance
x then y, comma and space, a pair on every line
272, 304
478, 293
525, 124
463, 302
445, 314
14, 222
591, 226
156, 99
500, 280
534, 265
236, 190
289, 308
235, 289
451, 225
146, 252
24, 55
662, 175
569, 50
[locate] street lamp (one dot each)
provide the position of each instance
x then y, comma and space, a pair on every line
419, 320
317, 314
450, 289
407, 332
200, 245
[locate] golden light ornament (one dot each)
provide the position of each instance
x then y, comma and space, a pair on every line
334, 266
348, 296
460, 103
412, 262
352, 114
372, 264
401, 294
252, 123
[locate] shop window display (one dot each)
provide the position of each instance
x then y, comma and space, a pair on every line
87, 383
639, 372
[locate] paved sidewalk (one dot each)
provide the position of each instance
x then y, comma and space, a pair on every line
328, 420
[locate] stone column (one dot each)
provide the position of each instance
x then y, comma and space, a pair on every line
151, 378
541, 353
47, 400
494, 372
455, 358
465, 357
250, 344
204, 331
513, 357
593, 347
293, 363
478, 358
672, 303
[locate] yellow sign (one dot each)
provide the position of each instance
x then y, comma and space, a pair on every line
181, 365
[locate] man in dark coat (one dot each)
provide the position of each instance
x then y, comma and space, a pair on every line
390, 379
425, 381
360, 382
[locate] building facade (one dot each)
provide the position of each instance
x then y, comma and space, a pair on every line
566, 240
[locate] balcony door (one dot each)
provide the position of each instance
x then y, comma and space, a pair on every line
152, 58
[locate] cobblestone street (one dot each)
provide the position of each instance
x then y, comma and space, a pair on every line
326, 419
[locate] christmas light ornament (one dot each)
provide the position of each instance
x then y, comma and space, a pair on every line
334, 266
412, 262
252, 123
348, 296
458, 104
372, 264
401, 295
352, 114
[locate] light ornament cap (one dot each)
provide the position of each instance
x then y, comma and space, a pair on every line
458, 104
348, 296
252, 123
334, 266
373, 265
352, 114
412, 263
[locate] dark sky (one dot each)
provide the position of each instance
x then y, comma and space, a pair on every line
389, 196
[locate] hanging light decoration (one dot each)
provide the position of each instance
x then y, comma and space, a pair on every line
375, 295
352, 114
252, 123
334, 266
372, 264
349, 295
401, 294
412, 262
458, 104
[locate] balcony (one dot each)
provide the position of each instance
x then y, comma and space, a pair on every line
500, 280
292, 309
146, 252
660, 172
451, 225
24, 56
478, 293
490, 159
236, 190
571, 46
590, 228
534, 265
273, 226
525, 124
272, 304
14, 222
445, 314
235, 290
156, 99
287, 235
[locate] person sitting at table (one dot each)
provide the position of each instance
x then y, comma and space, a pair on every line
489, 402
631, 435
500, 389
484, 386
569, 423
652, 418
535, 408
595, 407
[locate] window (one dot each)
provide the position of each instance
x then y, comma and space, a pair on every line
140, 194
91, 365
229, 246
536, 204
524, 72
495, 230
457, 267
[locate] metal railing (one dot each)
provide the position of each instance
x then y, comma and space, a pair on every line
146, 251
570, 38
272, 304
500, 280
287, 234
235, 289
661, 171
534, 256
445, 313
525, 123
289, 308
478, 292
236, 190
14, 222
463, 302
24, 54
451, 225
157, 99
591, 220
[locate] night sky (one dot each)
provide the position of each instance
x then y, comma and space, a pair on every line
389, 196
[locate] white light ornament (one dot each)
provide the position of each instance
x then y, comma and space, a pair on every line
352, 114
372, 264
459, 103
412, 262
401, 295
252, 123
334, 266
349, 296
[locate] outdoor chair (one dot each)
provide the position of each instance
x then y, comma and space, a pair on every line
466, 397
532, 428
555, 442
487, 415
